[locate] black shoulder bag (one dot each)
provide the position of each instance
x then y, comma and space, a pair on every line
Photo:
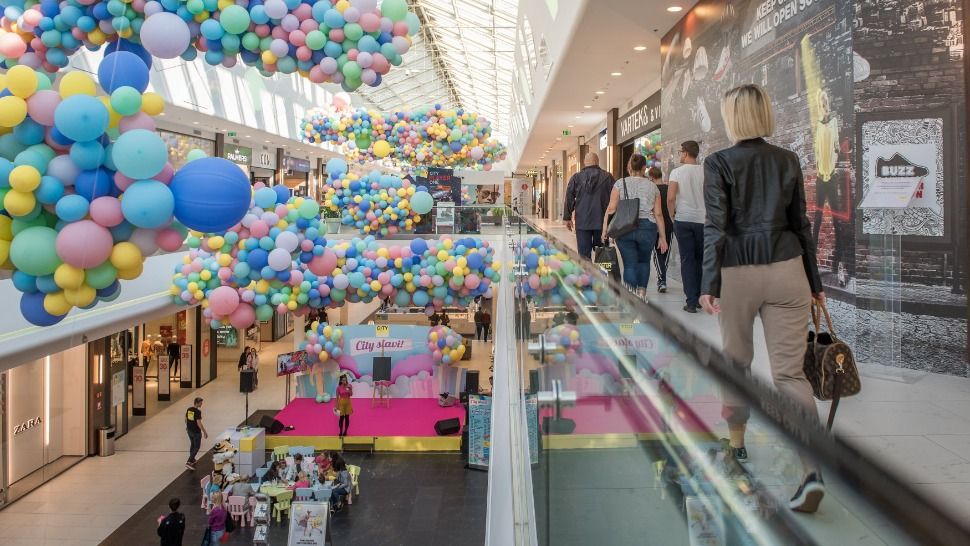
627, 217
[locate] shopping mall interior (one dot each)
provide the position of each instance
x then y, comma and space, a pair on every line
504, 272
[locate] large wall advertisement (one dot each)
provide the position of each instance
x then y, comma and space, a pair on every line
862, 90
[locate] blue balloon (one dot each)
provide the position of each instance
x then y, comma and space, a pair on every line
125, 45
121, 69
32, 309
95, 183
148, 204
265, 197
282, 193
87, 155
72, 208
474, 261
24, 282
420, 298
81, 118
29, 132
336, 166
139, 154
211, 194
50, 190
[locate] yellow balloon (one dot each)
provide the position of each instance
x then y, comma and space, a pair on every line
442, 255
375, 285
192, 287
152, 103
81, 296
13, 111
342, 5
382, 148
67, 276
24, 178
268, 57
458, 271
113, 117
324, 356
129, 274
56, 304
225, 260
291, 305
22, 81
216, 242
6, 228
205, 274
19, 203
125, 256
77, 83
4, 251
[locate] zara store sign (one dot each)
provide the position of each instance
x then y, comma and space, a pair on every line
27, 425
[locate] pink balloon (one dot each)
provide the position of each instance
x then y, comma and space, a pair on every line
223, 300
84, 244
370, 22
166, 175
317, 75
168, 239
297, 38
259, 229
141, 120
11, 45
123, 181
400, 29
323, 264
106, 211
41, 106
472, 281
243, 316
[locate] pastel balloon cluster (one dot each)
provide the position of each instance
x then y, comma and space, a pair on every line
277, 259
323, 342
549, 274
429, 136
86, 190
376, 204
445, 345
351, 43
649, 147
562, 343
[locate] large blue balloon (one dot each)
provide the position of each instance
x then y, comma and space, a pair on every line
211, 194
32, 309
131, 47
139, 154
81, 118
419, 246
282, 193
121, 69
148, 204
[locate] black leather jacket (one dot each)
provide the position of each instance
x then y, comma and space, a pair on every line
755, 200
588, 194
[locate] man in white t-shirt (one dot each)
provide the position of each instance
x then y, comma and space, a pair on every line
685, 199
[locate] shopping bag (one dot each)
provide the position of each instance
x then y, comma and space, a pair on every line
605, 257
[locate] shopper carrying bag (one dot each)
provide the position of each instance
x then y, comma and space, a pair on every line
829, 364
627, 217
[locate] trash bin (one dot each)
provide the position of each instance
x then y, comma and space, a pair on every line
106, 441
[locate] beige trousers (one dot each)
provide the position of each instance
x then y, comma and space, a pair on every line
780, 294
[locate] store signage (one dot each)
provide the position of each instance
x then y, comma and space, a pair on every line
566, 132
118, 388
138, 390
381, 345
603, 140
639, 121
185, 365
231, 133
27, 425
239, 155
382, 330
164, 377
264, 160
295, 164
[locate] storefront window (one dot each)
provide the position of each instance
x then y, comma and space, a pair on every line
180, 145
649, 147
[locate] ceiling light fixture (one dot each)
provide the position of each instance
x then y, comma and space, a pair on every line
195, 123
587, 106
675, 9
570, 125
640, 48
601, 92
577, 117
616, 73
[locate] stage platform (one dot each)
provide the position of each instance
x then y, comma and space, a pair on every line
407, 425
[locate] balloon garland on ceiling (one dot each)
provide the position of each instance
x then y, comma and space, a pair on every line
86, 189
351, 43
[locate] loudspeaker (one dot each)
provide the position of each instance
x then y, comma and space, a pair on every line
271, 425
447, 426
551, 425
471, 381
382, 368
247, 381
533, 381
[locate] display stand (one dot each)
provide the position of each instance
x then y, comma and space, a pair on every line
185, 366
138, 390
164, 379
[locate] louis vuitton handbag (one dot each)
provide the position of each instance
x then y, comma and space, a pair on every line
829, 364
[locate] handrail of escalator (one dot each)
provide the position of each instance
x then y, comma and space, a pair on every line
910, 511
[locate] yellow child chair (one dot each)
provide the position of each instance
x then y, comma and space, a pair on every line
282, 504
355, 479
281, 453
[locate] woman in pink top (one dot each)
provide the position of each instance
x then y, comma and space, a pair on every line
344, 407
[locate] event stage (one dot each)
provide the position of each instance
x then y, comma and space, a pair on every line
407, 425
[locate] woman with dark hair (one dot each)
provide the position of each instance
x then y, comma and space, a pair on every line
344, 406
661, 257
637, 246
341, 486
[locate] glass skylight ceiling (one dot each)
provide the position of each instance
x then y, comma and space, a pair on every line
462, 58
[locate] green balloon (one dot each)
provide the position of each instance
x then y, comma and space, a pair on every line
20, 224
126, 100
362, 142
264, 312
43, 81
235, 19
353, 31
195, 7
250, 41
230, 43
194, 154
351, 70
34, 251
101, 276
395, 10
315, 40
309, 208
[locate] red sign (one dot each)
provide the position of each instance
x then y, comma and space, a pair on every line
205, 348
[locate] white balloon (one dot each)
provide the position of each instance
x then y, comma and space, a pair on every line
165, 35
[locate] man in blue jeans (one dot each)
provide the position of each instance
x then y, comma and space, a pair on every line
588, 195
685, 199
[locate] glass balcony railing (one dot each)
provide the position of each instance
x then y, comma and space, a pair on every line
617, 429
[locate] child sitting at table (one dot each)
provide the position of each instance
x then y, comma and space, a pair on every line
301, 481
275, 472
293, 469
324, 460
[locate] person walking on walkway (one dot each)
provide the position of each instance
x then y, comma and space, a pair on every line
171, 528
637, 246
479, 324
661, 257
196, 431
587, 196
759, 260
685, 199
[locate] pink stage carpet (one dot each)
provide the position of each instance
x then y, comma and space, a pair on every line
596, 415
409, 417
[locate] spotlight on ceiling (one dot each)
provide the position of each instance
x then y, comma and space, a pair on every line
640, 48
675, 9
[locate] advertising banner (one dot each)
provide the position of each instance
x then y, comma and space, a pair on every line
290, 363
138, 390
308, 524
164, 378
479, 430
185, 366
118, 388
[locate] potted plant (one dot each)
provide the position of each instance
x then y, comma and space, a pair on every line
331, 219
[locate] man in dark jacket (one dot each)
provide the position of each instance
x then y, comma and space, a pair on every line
588, 195
172, 527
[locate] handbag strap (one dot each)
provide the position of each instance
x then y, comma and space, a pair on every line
836, 396
626, 194
823, 310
